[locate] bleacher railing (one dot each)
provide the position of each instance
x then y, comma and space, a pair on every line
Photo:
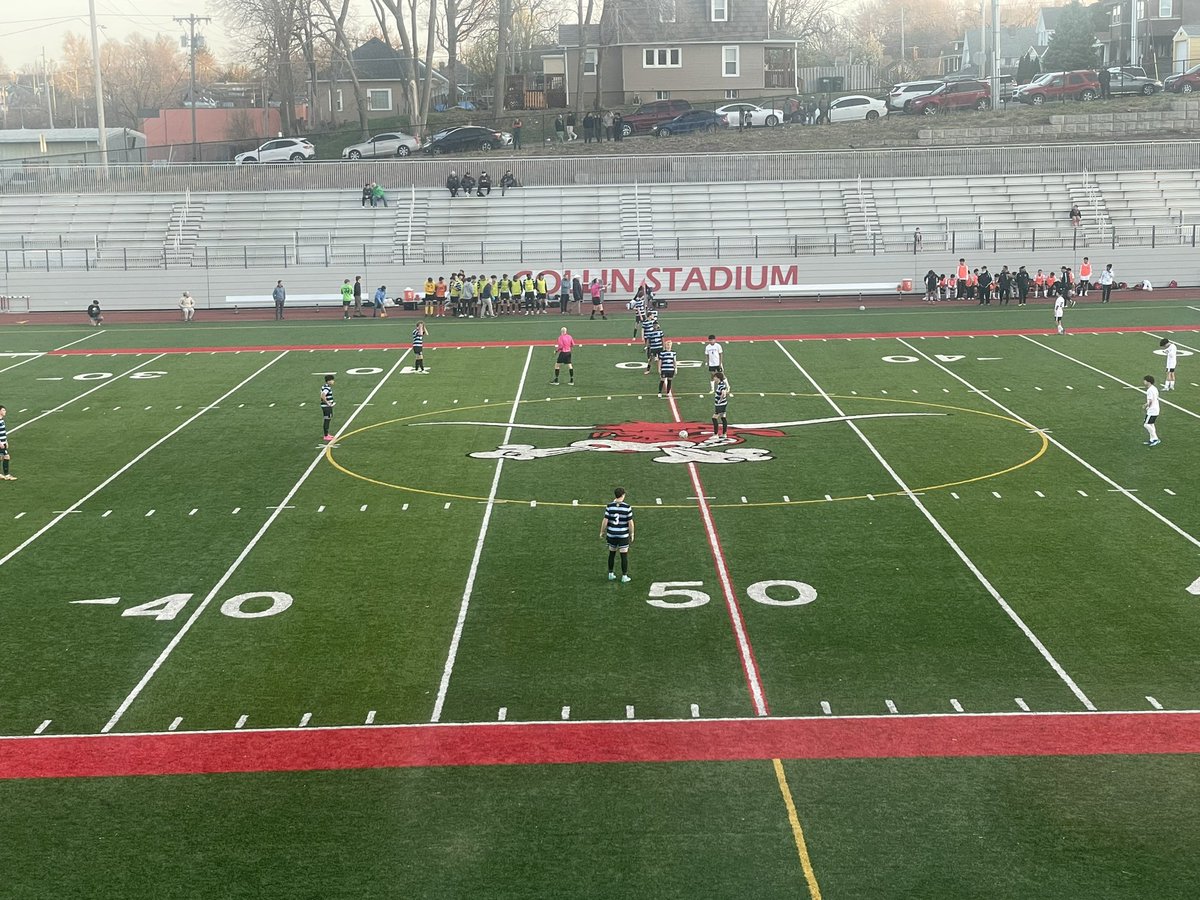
784, 167
65, 255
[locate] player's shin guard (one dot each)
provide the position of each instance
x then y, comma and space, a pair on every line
624, 563
612, 559
4, 466
714, 421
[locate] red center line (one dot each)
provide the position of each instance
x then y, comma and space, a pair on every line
595, 342
745, 650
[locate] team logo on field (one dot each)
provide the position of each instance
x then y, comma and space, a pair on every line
671, 442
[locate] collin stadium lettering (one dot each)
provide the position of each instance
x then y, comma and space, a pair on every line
674, 442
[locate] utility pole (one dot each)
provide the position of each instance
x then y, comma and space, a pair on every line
46, 86
98, 84
901, 33
191, 21
996, 104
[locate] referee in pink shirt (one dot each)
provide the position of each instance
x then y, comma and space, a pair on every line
563, 348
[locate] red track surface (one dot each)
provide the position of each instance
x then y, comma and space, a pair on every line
856, 335
372, 747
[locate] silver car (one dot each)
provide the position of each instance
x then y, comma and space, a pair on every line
1131, 80
393, 143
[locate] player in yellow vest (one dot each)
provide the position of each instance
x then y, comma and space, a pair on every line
430, 295
542, 288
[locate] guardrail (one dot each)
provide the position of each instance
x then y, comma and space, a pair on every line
628, 168
541, 252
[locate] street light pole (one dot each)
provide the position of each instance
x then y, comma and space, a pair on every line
192, 20
98, 85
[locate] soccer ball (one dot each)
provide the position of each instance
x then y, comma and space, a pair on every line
861, 308
683, 434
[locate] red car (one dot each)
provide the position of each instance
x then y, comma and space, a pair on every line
1184, 83
954, 95
1079, 85
650, 114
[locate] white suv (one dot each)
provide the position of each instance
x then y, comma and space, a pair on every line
279, 150
907, 91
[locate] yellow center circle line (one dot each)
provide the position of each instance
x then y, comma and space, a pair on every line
1045, 445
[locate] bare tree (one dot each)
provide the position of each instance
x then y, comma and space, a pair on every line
331, 27
419, 96
461, 20
806, 22
499, 75
585, 21
270, 30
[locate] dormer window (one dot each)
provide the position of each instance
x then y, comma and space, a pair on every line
666, 10
719, 10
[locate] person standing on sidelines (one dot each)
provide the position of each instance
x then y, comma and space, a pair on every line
4, 456
667, 362
378, 308
1152, 409
279, 295
721, 395
418, 347
1172, 354
347, 298
564, 292
187, 306
563, 347
597, 291
713, 353
1084, 283
1106, 283
358, 313
327, 406
617, 531
1060, 303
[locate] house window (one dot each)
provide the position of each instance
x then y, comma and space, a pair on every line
379, 100
337, 100
1116, 14
719, 10
732, 94
660, 58
590, 60
1164, 9
666, 10
662, 95
730, 61
1141, 11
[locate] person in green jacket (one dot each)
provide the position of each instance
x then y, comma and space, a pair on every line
347, 298
378, 197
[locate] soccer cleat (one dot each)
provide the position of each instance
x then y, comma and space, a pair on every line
625, 579
612, 577
9, 477
1155, 442
328, 437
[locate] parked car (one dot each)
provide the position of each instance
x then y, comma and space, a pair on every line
759, 115
1131, 80
648, 115
953, 95
903, 94
692, 120
1082, 84
279, 150
856, 107
394, 143
466, 137
1184, 82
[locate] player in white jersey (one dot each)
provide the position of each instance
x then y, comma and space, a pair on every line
1060, 303
1172, 354
713, 354
1152, 409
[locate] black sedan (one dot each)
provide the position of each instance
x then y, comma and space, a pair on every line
692, 120
466, 137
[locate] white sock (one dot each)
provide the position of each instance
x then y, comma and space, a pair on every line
1152, 431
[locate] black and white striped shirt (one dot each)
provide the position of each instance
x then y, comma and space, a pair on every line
3, 432
326, 395
654, 338
418, 338
667, 360
618, 516
721, 397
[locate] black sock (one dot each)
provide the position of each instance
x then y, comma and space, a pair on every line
571, 374
5, 465
556, 376
612, 558
661, 385
714, 426
624, 563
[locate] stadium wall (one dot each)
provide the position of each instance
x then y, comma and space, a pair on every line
697, 279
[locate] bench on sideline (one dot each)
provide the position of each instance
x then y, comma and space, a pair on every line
842, 289
368, 300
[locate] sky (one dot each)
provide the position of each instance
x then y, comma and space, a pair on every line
25, 28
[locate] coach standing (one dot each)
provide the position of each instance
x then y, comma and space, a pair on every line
279, 295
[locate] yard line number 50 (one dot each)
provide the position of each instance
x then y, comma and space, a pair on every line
683, 594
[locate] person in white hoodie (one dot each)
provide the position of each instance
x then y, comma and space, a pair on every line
187, 306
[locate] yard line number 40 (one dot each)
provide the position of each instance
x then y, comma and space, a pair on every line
683, 594
251, 605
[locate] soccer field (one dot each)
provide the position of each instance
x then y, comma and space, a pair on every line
924, 625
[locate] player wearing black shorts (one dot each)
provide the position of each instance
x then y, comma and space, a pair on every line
327, 406
654, 344
666, 369
617, 531
4, 456
418, 346
721, 395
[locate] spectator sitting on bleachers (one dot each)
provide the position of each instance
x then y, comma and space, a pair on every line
485, 185
468, 184
452, 185
507, 181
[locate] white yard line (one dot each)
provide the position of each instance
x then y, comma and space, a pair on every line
55, 350
125, 468
456, 638
745, 651
945, 535
241, 557
1061, 446
1162, 399
86, 393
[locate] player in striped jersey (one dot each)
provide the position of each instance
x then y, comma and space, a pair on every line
327, 406
4, 448
666, 369
721, 395
638, 305
617, 531
418, 346
654, 344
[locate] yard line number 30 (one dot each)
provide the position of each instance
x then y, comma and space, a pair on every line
683, 594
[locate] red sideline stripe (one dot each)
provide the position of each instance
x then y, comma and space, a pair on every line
372, 747
273, 348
